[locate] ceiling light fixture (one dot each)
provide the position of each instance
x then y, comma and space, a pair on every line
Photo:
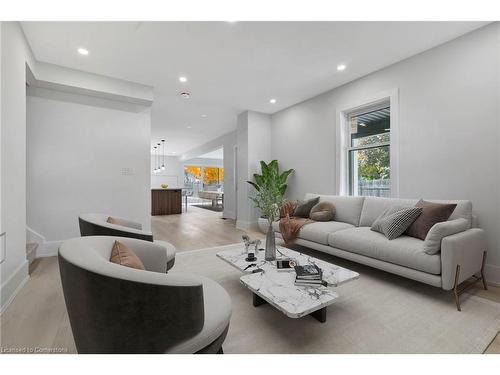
163, 155
182, 79
154, 150
341, 67
185, 95
204, 116
272, 101
189, 127
83, 51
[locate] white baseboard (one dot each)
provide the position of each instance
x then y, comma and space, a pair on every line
247, 225
492, 274
48, 249
13, 285
229, 215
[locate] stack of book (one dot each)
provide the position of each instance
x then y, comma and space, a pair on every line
309, 275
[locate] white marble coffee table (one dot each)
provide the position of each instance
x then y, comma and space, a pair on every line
277, 287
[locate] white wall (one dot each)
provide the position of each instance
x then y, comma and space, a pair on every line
254, 145
15, 55
448, 129
77, 154
228, 142
173, 175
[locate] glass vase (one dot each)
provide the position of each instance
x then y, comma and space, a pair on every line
270, 253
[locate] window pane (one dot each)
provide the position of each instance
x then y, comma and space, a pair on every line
369, 171
371, 127
211, 176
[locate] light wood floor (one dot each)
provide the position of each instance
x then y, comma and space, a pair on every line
37, 317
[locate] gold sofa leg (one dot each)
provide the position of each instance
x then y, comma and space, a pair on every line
485, 285
458, 291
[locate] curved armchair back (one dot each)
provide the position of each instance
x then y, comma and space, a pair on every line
97, 225
117, 309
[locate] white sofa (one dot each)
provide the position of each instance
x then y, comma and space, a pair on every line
349, 236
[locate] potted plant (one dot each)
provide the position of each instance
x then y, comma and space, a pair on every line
270, 187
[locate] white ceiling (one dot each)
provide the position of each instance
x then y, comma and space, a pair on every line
217, 154
231, 67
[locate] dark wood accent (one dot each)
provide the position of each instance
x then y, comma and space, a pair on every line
458, 289
319, 315
257, 300
166, 201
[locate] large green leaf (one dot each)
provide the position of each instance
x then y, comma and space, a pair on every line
254, 185
284, 176
259, 179
283, 189
264, 168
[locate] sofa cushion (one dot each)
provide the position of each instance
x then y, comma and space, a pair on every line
432, 213
373, 207
404, 251
323, 211
320, 230
303, 208
432, 242
347, 209
462, 210
392, 224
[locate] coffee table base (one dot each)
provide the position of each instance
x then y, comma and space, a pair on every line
319, 315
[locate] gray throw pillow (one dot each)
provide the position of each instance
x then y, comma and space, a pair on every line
323, 211
303, 208
395, 221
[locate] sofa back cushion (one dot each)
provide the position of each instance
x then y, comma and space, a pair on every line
347, 209
373, 207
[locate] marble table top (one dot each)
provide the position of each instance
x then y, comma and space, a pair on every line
278, 288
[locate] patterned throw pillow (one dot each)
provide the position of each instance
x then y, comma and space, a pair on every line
395, 221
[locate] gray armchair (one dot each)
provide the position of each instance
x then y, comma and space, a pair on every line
97, 225
117, 309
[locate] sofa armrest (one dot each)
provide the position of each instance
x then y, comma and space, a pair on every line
465, 249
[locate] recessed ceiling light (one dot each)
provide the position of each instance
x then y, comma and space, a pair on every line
183, 79
204, 116
272, 101
185, 95
189, 127
341, 67
83, 51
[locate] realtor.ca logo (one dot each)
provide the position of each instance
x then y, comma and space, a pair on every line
31, 350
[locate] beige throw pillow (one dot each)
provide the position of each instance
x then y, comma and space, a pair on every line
122, 255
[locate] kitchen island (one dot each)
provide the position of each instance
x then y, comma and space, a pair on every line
166, 201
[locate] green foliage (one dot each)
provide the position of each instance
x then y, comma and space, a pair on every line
374, 163
270, 187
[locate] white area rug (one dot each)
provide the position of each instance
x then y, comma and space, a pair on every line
378, 313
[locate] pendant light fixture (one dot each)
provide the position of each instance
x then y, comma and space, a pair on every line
154, 160
163, 155
159, 162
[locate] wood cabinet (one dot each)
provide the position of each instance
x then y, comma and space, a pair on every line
166, 201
